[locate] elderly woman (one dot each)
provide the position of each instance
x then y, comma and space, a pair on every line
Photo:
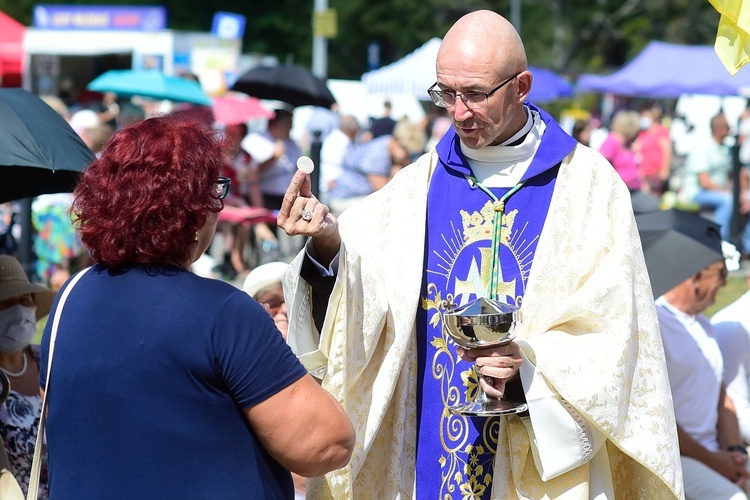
264, 285
164, 384
21, 305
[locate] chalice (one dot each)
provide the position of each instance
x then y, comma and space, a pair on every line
483, 322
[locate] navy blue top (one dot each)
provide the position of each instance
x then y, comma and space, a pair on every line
151, 371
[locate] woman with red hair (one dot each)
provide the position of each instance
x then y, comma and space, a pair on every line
165, 384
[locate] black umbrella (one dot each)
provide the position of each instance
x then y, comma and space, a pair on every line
39, 152
677, 245
289, 83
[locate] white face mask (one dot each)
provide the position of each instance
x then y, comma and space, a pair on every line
646, 122
17, 327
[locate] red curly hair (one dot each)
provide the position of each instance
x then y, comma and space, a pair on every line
150, 191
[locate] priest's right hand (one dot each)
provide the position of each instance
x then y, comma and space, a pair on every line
302, 213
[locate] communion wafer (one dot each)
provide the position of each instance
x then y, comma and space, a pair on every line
305, 164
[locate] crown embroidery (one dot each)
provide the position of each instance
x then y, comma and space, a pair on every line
478, 225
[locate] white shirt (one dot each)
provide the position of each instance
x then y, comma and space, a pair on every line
332, 158
695, 368
732, 328
275, 179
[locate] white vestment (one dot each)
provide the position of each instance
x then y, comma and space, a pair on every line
589, 329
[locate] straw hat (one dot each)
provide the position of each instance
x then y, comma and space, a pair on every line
264, 276
13, 282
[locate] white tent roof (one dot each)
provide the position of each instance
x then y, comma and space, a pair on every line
412, 74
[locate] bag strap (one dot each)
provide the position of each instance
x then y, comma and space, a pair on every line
36, 464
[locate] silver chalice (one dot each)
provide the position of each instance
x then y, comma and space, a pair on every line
483, 322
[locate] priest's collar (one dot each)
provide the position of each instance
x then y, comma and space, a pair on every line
554, 145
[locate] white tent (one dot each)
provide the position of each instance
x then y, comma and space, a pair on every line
412, 74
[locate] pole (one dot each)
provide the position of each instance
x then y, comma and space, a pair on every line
734, 227
515, 15
320, 46
24, 246
315, 148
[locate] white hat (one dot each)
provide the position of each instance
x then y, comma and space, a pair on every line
13, 282
84, 119
264, 276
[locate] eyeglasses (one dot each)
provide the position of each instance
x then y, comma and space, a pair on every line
472, 100
221, 187
274, 303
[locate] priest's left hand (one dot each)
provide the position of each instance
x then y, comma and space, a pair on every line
496, 365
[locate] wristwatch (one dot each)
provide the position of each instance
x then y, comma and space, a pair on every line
738, 447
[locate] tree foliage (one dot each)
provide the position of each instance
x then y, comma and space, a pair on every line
565, 35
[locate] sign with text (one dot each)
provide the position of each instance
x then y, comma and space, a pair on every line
99, 17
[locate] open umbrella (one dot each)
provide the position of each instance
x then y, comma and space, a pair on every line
232, 109
39, 152
677, 245
149, 83
289, 83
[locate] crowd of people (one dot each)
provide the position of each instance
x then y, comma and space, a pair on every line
323, 369
639, 146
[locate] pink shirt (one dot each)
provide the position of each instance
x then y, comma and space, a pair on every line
623, 159
649, 146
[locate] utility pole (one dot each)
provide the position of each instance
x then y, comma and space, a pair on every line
320, 42
515, 15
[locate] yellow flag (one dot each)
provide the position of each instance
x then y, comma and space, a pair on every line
733, 36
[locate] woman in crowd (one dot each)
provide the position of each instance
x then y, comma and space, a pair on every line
616, 148
21, 305
264, 285
163, 383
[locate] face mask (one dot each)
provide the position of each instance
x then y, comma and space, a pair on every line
17, 327
646, 123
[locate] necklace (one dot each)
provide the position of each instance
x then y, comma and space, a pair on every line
18, 373
498, 206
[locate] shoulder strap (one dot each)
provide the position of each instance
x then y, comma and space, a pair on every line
36, 464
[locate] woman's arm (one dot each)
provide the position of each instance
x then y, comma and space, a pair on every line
304, 428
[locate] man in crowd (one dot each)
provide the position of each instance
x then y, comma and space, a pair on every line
714, 460
506, 197
708, 176
333, 152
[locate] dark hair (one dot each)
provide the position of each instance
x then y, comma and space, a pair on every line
149, 192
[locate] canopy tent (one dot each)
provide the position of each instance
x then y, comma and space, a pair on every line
11, 51
415, 72
667, 70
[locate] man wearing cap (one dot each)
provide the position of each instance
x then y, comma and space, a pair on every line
714, 459
21, 305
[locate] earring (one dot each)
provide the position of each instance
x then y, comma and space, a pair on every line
196, 237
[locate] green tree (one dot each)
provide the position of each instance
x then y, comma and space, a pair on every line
569, 36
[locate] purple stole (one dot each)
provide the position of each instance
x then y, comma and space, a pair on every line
456, 454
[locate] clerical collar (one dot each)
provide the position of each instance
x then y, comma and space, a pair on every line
519, 136
505, 165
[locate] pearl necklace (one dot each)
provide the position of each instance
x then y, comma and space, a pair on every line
18, 373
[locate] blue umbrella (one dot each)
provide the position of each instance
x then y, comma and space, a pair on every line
150, 83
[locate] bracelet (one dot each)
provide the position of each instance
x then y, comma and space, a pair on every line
738, 447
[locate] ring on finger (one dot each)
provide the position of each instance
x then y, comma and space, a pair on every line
306, 215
